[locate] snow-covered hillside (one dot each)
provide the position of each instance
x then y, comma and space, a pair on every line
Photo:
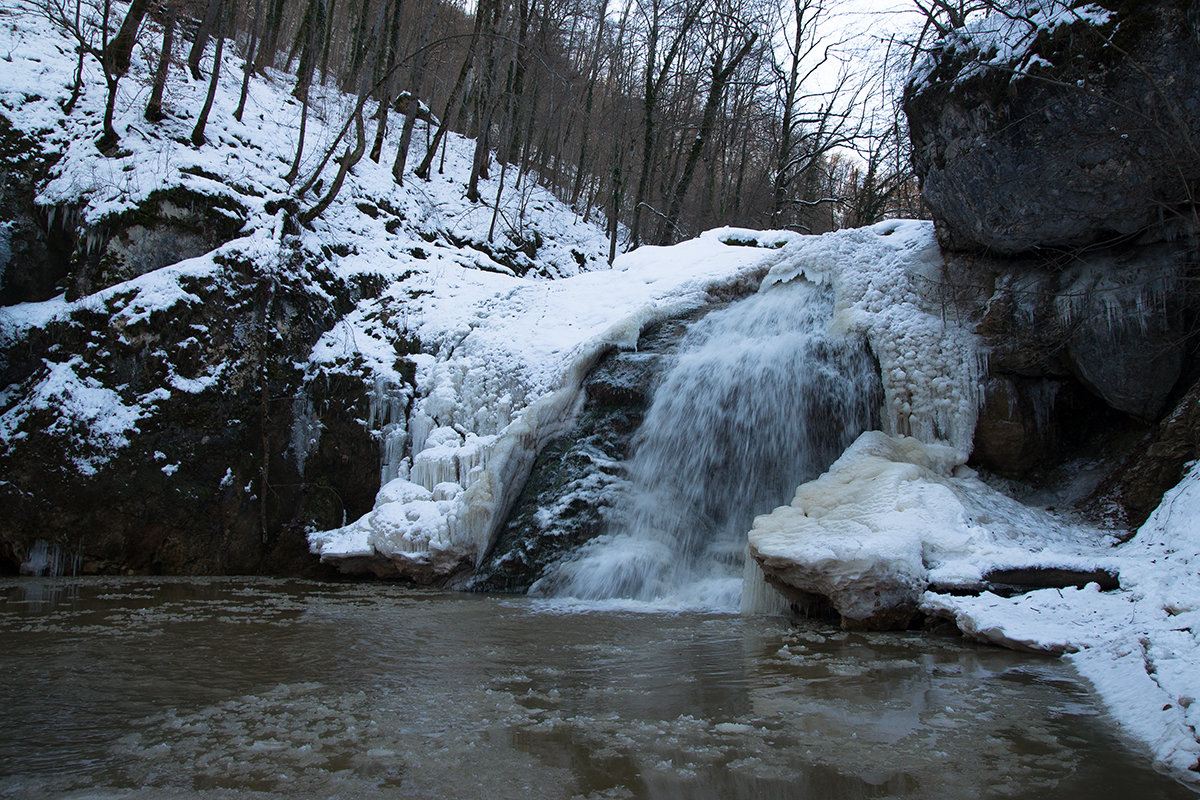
180, 284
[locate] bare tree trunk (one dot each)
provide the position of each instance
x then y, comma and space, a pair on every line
489, 10
77, 85
655, 79
422, 170
410, 119
295, 170
328, 40
385, 96
154, 112
589, 96
212, 10
352, 155
615, 215
248, 67
107, 144
119, 51
198, 132
271, 26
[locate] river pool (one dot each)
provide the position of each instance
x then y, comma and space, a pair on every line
234, 687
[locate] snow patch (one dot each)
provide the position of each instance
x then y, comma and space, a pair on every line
1001, 39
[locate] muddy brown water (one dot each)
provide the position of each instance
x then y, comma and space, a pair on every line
246, 688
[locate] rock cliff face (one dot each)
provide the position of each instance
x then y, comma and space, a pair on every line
1061, 132
1057, 151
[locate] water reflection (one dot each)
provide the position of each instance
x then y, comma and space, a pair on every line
256, 688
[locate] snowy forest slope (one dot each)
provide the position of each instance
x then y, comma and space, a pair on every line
152, 375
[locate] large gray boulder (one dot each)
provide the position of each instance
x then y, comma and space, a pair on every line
1058, 148
1066, 136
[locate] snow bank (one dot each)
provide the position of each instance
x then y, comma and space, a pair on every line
893, 516
510, 358
1139, 646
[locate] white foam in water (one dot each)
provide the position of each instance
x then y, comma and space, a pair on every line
760, 399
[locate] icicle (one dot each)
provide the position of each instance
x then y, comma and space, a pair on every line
758, 597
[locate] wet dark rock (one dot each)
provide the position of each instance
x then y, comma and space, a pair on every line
576, 479
1157, 463
34, 255
1063, 197
1016, 424
1019, 580
169, 226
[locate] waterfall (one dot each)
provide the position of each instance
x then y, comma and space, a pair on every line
760, 399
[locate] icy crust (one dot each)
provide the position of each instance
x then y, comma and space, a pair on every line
893, 516
500, 376
1002, 40
1139, 646
888, 278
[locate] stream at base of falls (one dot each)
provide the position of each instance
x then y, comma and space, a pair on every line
244, 688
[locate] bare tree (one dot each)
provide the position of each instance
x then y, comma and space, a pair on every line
154, 112
223, 12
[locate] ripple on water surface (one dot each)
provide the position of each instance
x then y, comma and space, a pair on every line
248, 688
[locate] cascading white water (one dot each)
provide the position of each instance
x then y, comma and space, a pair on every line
760, 399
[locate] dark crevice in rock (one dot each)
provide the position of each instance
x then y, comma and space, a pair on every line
34, 251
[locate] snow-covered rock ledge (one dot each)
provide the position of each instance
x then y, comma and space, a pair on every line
893, 517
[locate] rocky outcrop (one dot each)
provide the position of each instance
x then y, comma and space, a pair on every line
1078, 133
1056, 151
167, 227
162, 442
575, 480
1158, 462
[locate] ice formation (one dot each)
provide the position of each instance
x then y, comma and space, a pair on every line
893, 516
889, 281
510, 357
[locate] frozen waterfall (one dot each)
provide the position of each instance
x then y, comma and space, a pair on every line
760, 399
